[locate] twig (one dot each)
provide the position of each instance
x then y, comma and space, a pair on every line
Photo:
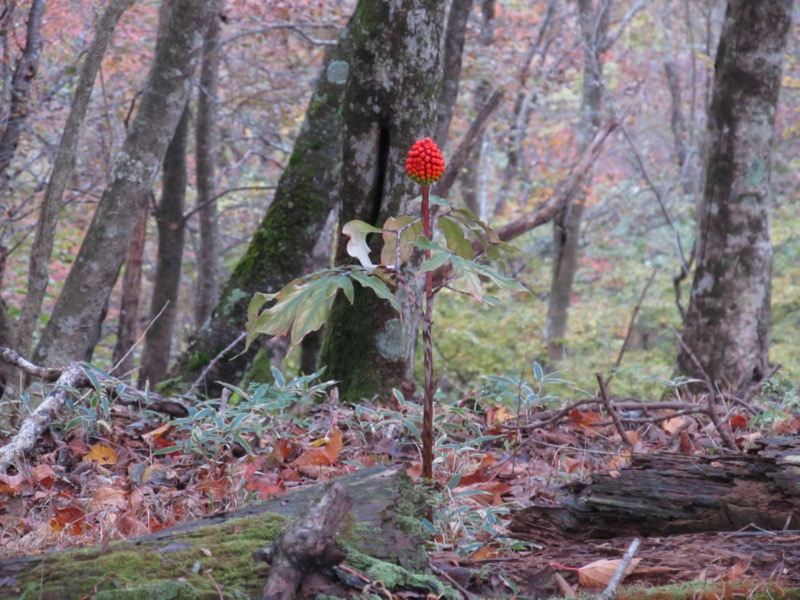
33, 427
213, 363
611, 590
11, 357
141, 337
613, 412
461, 589
631, 323
711, 406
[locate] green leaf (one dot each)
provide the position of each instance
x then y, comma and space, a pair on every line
357, 246
469, 278
485, 234
424, 243
469, 272
456, 240
434, 262
438, 201
313, 311
379, 287
301, 307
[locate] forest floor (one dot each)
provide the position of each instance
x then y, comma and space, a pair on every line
105, 470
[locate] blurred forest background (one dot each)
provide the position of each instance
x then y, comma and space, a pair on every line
639, 205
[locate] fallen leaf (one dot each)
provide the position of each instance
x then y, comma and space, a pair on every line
334, 445
101, 454
597, 574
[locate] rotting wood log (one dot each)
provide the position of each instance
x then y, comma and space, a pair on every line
199, 555
666, 494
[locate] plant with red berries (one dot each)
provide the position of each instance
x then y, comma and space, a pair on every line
304, 304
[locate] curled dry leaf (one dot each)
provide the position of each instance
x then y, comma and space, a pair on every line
597, 574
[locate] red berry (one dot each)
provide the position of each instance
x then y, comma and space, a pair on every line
425, 164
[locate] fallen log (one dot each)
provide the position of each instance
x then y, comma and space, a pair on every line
666, 494
212, 557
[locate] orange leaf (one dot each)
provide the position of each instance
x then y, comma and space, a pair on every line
334, 445
738, 422
101, 454
312, 458
70, 518
598, 573
157, 433
283, 449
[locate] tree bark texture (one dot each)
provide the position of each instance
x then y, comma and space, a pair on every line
726, 336
567, 226
128, 325
166, 283
103, 250
21, 83
667, 494
280, 247
390, 102
205, 149
38, 269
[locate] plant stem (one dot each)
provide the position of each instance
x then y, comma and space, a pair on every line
427, 344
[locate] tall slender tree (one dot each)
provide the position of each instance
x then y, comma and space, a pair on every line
95, 269
567, 226
166, 282
726, 335
205, 150
38, 270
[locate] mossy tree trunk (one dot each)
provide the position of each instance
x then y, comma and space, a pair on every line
282, 245
390, 102
726, 336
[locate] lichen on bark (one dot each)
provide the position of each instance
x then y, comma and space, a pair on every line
728, 321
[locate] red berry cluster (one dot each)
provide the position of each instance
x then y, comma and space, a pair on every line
425, 164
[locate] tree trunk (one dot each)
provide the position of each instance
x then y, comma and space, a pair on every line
567, 226
390, 103
38, 270
21, 83
726, 336
667, 494
455, 35
128, 326
103, 250
205, 148
279, 249
166, 283
474, 178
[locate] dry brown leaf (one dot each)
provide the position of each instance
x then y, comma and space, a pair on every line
738, 569
101, 454
334, 445
672, 425
597, 574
